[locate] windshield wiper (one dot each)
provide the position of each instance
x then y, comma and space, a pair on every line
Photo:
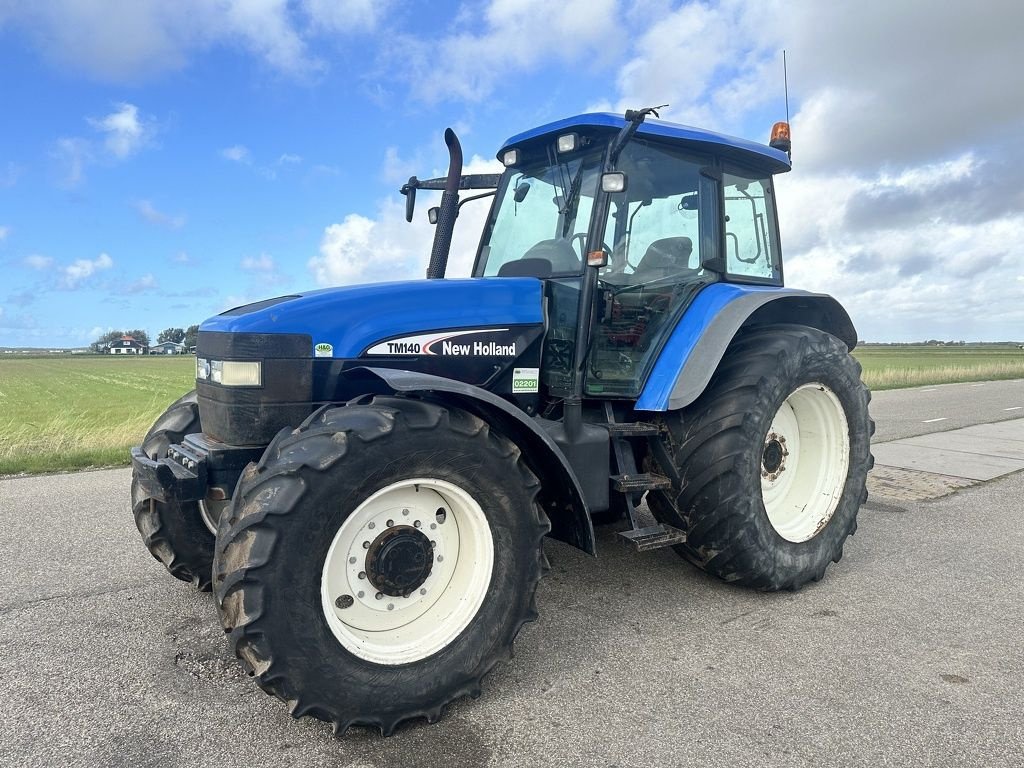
570, 199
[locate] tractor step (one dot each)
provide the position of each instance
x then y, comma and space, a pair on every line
634, 429
654, 537
644, 481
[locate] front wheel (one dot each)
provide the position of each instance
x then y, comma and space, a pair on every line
178, 534
379, 561
773, 460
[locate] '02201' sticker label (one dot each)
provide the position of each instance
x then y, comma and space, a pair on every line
525, 380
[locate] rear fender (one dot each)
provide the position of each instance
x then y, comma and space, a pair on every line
561, 495
720, 311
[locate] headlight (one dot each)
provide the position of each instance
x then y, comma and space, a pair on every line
230, 373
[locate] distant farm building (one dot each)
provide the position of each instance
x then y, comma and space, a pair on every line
167, 348
127, 346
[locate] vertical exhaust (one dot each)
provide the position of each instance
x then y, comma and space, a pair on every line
449, 209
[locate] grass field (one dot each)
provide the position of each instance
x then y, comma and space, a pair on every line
63, 413
897, 367
60, 413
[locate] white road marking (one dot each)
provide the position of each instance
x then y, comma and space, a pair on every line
929, 421
981, 384
1015, 408
928, 390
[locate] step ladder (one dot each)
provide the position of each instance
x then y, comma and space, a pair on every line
645, 532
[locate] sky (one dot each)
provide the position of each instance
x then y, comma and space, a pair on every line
166, 161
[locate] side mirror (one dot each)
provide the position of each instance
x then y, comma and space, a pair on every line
522, 190
432, 214
614, 182
409, 190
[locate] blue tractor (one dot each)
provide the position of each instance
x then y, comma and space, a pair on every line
365, 475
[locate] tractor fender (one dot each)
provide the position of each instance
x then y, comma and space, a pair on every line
696, 346
561, 494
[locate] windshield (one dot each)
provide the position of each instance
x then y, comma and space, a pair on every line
541, 218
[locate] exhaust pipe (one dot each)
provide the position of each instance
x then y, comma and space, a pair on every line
449, 209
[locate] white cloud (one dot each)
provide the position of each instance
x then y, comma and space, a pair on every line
145, 38
9, 174
261, 263
346, 15
74, 274
72, 154
288, 159
237, 154
36, 261
517, 36
182, 257
386, 247
149, 212
125, 132
145, 283
4, 232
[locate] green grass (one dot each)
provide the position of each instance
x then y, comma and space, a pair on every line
912, 366
62, 413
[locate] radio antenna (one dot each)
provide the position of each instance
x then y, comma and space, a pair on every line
785, 82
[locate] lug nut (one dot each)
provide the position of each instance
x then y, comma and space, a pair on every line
440, 558
391, 606
366, 545
405, 511
371, 526
344, 601
423, 591
379, 595
362, 574
352, 560
360, 594
390, 523
417, 524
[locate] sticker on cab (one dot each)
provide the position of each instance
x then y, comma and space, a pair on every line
323, 349
525, 380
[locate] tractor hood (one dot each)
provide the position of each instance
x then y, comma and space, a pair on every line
345, 322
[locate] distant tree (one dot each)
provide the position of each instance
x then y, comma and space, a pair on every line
103, 342
140, 336
191, 334
171, 334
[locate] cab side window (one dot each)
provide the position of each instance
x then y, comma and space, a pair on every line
751, 234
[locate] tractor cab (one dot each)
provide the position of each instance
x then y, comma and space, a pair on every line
661, 215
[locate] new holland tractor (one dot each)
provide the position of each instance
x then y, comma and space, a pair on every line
365, 475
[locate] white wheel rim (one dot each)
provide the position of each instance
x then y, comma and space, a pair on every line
805, 462
396, 629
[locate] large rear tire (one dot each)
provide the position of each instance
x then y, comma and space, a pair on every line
773, 460
379, 560
178, 535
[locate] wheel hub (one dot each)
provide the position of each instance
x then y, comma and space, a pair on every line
399, 561
773, 457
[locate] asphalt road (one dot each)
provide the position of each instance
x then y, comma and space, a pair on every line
908, 653
902, 413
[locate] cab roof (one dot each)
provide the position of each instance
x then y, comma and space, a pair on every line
760, 156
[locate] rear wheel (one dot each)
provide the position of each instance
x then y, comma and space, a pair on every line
379, 561
179, 535
773, 460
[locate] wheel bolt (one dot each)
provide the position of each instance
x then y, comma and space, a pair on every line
344, 601
391, 606
390, 523
433, 526
360, 594
405, 511
417, 524
351, 559
423, 591
380, 595
440, 558
366, 545
371, 526
362, 574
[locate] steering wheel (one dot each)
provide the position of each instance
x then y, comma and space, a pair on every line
582, 237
